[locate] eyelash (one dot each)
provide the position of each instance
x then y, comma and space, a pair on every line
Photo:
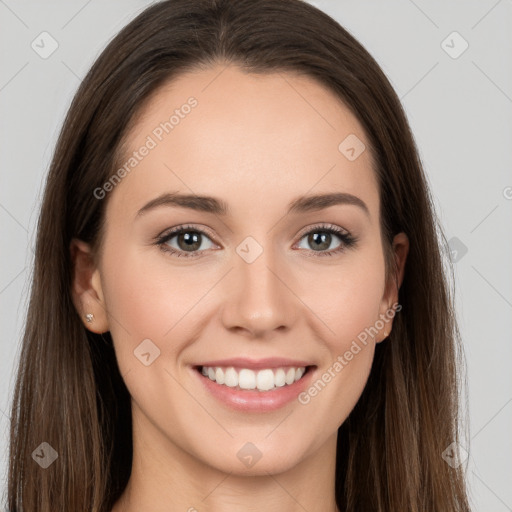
347, 240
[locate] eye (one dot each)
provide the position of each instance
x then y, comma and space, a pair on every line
321, 237
188, 240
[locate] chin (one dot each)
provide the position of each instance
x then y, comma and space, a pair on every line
249, 460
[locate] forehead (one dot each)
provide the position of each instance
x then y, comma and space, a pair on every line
266, 137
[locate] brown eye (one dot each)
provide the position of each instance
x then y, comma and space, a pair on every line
185, 240
320, 240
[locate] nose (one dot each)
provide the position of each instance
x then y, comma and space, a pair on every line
259, 296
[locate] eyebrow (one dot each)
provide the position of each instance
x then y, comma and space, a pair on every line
216, 206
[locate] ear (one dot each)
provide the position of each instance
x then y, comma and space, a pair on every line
400, 249
86, 288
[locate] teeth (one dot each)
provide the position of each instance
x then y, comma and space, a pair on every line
230, 377
265, 380
279, 378
262, 380
247, 379
219, 376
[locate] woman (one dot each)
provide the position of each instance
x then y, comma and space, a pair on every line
239, 300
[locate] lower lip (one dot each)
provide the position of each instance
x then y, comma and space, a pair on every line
252, 399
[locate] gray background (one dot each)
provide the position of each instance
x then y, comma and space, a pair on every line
460, 112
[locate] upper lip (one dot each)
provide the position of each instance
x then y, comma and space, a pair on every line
268, 362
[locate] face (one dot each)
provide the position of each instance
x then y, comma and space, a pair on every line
259, 280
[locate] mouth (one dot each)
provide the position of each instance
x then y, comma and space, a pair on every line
254, 386
255, 380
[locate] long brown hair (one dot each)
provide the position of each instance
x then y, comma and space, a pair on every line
69, 392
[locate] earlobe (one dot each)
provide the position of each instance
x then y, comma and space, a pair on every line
86, 288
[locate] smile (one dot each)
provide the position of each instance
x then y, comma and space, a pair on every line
265, 386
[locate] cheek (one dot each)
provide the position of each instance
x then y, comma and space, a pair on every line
147, 299
347, 297
347, 300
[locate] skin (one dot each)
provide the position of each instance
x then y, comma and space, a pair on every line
257, 142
